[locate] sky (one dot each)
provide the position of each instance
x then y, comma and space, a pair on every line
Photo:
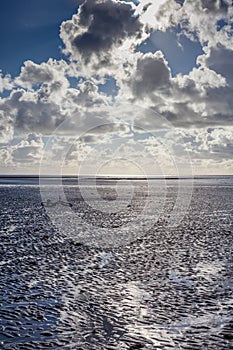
116, 87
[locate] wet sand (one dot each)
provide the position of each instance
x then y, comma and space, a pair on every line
170, 288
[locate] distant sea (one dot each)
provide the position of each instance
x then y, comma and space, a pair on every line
69, 180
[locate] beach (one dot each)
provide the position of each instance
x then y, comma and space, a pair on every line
150, 287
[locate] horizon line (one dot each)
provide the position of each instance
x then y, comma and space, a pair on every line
111, 176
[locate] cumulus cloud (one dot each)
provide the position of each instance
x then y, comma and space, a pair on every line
5, 157
100, 41
6, 128
5, 82
87, 95
212, 110
148, 11
201, 98
29, 150
98, 28
44, 109
214, 143
51, 72
22, 151
206, 146
220, 60
199, 19
32, 113
152, 74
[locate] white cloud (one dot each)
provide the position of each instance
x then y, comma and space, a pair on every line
100, 41
205, 147
29, 150
148, 11
51, 73
204, 143
23, 151
44, 109
199, 19
95, 34
32, 113
6, 128
201, 98
220, 60
5, 82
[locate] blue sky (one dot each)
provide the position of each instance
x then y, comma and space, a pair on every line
29, 29
180, 52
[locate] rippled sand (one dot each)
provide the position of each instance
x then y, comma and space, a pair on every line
170, 288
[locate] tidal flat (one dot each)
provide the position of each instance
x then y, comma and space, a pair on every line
166, 287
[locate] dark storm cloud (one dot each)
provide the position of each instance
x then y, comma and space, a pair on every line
100, 25
34, 115
152, 74
210, 5
220, 59
215, 5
